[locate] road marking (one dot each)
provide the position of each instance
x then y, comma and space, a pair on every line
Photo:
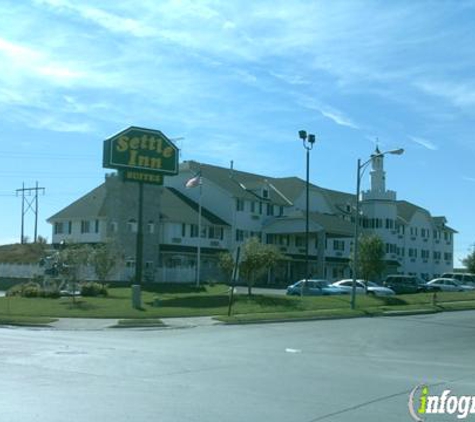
293, 350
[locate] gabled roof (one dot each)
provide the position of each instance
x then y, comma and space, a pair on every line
406, 210
175, 207
282, 190
178, 207
330, 223
240, 184
90, 205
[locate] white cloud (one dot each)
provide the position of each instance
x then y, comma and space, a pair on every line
457, 93
424, 143
338, 117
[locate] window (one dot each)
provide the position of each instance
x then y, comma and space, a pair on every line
239, 235
132, 226
193, 230
270, 209
391, 248
85, 226
253, 206
239, 205
130, 263
265, 193
151, 227
58, 228
448, 256
338, 245
389, 224
281, 211
113, 226
437, 255
96, 226
183, 230
215, 232
270, 239
300, 241
256, 234
70, 227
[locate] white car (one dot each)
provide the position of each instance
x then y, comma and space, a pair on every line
373, 288
449, 285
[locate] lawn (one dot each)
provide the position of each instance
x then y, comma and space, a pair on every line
161, 301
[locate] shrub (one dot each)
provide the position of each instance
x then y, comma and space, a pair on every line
91, 289
31, 290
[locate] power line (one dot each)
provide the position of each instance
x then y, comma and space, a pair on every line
30, 205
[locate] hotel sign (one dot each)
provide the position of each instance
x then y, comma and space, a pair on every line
140, 154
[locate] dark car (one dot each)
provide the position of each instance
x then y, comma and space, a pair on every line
402, 284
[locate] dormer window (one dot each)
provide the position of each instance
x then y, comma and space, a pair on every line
265, 193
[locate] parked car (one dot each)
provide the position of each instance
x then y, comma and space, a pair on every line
402, 284
464, 278
313, 288
448, 285
373, 288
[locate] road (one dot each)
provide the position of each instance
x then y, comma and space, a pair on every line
332, 371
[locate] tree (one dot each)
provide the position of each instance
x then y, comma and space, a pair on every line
371, 253
104, 258
469, 261
69, 261
226, 265
257, 258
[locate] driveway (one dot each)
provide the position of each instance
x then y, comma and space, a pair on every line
330, 371
261, 290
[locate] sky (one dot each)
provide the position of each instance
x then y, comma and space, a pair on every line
236, 80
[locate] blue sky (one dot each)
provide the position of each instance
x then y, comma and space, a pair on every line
237, 80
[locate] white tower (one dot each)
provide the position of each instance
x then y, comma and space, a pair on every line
378, 180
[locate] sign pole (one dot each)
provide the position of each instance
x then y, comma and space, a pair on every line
139, 245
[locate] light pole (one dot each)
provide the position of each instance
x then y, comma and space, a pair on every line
360, 168
308, 141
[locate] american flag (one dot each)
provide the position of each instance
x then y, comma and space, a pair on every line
194, 181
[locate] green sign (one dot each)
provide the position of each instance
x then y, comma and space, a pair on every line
136, 150
141, 176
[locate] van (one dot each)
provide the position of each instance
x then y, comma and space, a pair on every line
464, 278
402, 284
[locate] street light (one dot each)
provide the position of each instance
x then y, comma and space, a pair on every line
359, 174
308, 141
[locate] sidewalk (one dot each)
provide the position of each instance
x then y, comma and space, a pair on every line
93, 324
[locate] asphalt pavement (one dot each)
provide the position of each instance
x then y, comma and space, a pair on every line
332, 371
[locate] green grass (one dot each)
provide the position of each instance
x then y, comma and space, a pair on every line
26, 321
138, 323
188, 301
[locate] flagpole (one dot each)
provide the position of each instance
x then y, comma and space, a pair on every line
198, 258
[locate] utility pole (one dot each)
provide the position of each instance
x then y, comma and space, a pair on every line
29, 203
